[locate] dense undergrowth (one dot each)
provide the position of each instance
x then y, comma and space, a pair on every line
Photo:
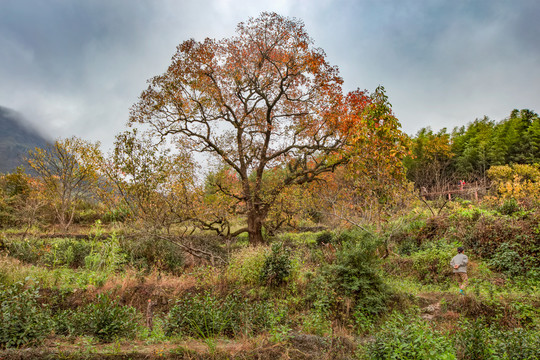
388, 293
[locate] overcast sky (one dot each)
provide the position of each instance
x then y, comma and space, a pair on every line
74, 67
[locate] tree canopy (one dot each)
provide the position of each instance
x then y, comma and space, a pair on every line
262, 101
468, 152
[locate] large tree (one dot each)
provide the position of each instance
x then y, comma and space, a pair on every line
260, 101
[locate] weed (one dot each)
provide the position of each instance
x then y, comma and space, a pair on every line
149, 252
517, 344
317, 322
203, 316
432, 265
246, 265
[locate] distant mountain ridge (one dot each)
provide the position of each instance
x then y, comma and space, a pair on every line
17, 136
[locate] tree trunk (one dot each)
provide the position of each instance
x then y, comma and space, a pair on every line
255, 223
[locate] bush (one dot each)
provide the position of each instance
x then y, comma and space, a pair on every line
354, 277
506, 259
86, 216
25, 250
352, 237
409, 338
472, 342
432, 264
477, 341
23, 320
65, 252
509, 207
356, 274
517, 344
64, 323
151, 252
317, 323
105, 255
324, 237
116, 215
277, 266
104, 319
205, 315
93, 254
486, 235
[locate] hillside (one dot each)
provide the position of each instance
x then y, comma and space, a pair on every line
16, 138
110, 292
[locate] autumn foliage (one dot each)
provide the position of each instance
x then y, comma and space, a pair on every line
263, 102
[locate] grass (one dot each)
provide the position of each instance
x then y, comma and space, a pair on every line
511, 302
13, 270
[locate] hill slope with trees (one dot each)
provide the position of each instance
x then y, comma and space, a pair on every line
16, 138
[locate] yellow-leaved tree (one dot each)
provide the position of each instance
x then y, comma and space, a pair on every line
68, 172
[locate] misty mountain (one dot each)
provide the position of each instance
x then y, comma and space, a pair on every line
17, 136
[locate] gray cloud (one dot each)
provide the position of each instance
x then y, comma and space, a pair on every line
75, 67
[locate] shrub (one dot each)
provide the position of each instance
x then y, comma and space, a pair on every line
352, 282
86, 216
506, 259
407, 246
205, 315
105, 255
356, 274
432, 265
116, 215
517, 344
277, 266
22, 319
406, 337
149, 252
489, 232
353, 236
472, 342
25, 250
509, 207
94, 254
64, 323
105, 320
478, 341
317, 323
294, 239
324, 237
65, 252
201, 316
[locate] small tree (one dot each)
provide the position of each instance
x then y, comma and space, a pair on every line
68, 172
154, 183
21, 199
372, 183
